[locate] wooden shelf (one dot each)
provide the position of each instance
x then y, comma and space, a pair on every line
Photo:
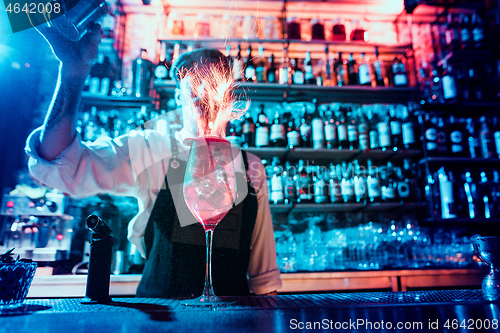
115, 101
294, 93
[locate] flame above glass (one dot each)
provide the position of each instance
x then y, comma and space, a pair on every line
207, 90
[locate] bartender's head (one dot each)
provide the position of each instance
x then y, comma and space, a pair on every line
197, 74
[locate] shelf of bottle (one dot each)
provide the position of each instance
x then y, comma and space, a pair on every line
114, 101
332, 155
462, 220
345, 207
295, 45
275, 92
461, 161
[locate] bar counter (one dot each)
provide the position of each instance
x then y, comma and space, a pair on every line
412, 311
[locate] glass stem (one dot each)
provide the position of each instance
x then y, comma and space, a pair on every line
208, 290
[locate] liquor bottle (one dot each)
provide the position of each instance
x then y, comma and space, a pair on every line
334, 182
478, 35
352, 131
496, 136
457, 138
330, 130
472, 139
292, 134
238, 66
250, 74
320, 185
309, 77
410, 178
472, 194
396, 130
298, 74
289, 179
373, 182
403, 184
338, 31
284, 72
384, 132
340, 71
342, 130
231, 134
277, 137
91, 126
277, 194
432, 195
441, 137
262, 129
378, 70
352, 74
409, 130
466, 32
486, 199
248, 131
373, 121
436, 88
363, 132
448, 208
328, 77
364, 71
430, 135
304, 184
271, 70
452, 33
305, 129
388, 184
495, 192
346, 184
486, 141
162, 68
260, 66
399, 73
318, 133
476, 85
228, 55
449, 87
360, 184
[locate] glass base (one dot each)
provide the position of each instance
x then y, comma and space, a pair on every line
207, 301
11, 306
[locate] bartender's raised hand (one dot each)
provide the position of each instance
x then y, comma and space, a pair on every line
76, 57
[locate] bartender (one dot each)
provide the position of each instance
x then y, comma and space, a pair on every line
149, 166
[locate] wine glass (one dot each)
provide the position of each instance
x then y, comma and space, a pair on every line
487, 249
209, 191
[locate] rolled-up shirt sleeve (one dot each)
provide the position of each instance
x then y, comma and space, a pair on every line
84, 168
263, 272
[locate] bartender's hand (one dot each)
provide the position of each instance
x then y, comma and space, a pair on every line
76, 57
76, 60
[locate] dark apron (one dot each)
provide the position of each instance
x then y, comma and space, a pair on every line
176, 256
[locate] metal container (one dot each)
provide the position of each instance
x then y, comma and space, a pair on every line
76, 22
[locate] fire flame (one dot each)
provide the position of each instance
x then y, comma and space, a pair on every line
208, 89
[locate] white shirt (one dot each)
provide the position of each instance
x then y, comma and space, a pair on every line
134, 165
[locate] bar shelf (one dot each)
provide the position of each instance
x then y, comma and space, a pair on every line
113, 102
345, 207
273, 92
332, 155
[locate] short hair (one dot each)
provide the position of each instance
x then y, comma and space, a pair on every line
200, 57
